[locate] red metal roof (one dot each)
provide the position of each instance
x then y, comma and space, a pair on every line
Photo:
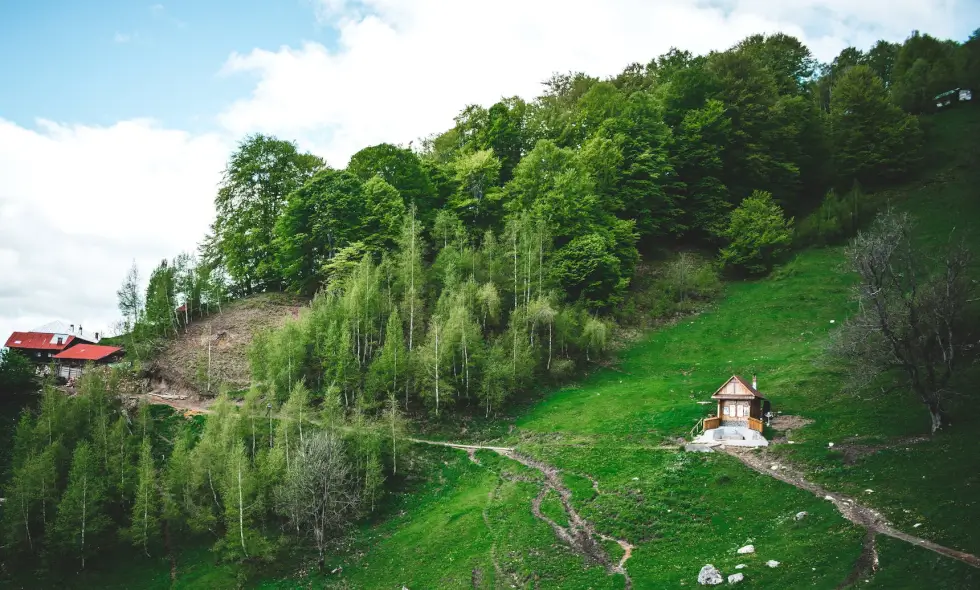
36, 341
87, 352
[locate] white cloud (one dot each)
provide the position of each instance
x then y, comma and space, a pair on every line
402, 69
78, 204
122, 37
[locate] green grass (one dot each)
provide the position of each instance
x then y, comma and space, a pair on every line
460, 524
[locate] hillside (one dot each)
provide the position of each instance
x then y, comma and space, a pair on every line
182, 366
681, 511
590, 489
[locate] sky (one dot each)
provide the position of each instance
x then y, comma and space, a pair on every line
117, 116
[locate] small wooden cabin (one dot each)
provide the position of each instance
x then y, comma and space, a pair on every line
739, 404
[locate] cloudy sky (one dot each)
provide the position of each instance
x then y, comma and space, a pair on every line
116, 118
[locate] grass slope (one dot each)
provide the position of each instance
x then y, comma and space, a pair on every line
469, 525
682, 510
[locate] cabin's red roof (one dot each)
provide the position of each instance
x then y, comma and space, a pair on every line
87, 352
37, 341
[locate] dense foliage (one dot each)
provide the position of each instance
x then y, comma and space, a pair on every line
16, 373
517, 229
86, 475
478, 325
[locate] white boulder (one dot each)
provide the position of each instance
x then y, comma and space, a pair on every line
739, 566
801, 515
736, 578
772, 563
710, 576
746, 549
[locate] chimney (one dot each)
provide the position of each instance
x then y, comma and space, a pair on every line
755, 383
71, 328
96, 336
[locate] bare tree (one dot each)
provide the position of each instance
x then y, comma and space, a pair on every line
910, 314
322, 487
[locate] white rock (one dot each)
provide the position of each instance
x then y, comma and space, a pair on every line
916, 525
869, 491
772, 563
828, 497
710, 576
740, 566
792, 442
736, 578
832, 321
774, 467
636, 479
830, 445
747, 549
801, 515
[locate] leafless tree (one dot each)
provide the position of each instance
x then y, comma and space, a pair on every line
320, 495
911, 308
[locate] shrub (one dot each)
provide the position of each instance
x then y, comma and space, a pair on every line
836, 220
681, 285
758, 235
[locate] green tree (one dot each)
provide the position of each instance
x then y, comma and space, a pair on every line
82, 519
161, 300
146, 503
260, 174
17, 374
873, 139
320, 218
384, 211
758, 234
402, 169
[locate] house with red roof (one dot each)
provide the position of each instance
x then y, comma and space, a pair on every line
72, 360
69, 348
41, 347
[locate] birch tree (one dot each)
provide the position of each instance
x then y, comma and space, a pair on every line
146, 503
81, 517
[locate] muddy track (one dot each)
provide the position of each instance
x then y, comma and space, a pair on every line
866, 564
580, 535
850, 509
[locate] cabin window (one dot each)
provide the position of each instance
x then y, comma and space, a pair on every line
727, 410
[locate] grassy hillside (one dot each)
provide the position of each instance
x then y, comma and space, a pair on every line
458, 522
684, 510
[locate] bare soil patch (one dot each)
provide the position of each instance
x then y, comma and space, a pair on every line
182, 367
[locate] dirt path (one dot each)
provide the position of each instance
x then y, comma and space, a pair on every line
580, 535
853, 511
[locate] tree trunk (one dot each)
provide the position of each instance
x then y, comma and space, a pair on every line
241, 510
437, 369
84, 500
937, 417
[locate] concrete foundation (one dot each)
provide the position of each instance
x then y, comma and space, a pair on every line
732, 436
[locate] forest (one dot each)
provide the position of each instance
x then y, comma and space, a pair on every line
457, 276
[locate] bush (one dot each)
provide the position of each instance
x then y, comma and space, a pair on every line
682, 285
835, 221
758, 235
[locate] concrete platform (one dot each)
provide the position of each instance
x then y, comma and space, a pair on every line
732, 436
